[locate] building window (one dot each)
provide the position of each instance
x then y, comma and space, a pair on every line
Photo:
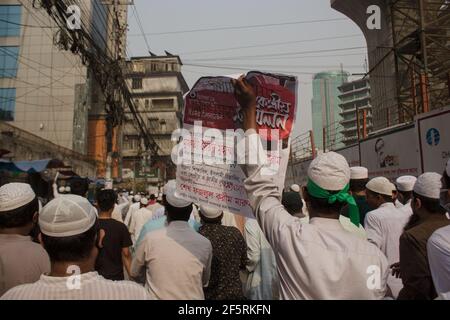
153, 124
147, 104
10, 18
8, 62
162, 103
137, 83
132, 143
7, 104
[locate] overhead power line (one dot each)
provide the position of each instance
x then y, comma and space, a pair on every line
272, 44
138, 20
240, 27
281, 54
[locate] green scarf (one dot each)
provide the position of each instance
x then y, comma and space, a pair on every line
342, 196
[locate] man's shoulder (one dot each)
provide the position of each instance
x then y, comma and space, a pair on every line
202, 240
130, 286
113, 223
22, 291
32, 249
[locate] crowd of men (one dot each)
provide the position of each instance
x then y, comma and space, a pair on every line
340, 236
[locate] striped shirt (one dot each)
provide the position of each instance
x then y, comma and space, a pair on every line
87, 286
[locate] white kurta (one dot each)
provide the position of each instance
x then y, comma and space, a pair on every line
407, 209
89, 286
319, 260
138, 220
348, 225
438, 248
177, 261
134, 207
384, 226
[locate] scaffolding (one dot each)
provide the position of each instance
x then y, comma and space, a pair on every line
421, 51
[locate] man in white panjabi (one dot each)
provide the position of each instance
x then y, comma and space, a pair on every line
70, 234
319, 260
133, 207
176, 259
384, 225
438, 246
139, 219
405, 186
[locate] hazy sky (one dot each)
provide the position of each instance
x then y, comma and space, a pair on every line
273, 48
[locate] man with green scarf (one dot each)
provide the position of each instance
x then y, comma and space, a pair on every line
319, 260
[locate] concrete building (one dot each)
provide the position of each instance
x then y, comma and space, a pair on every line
19, 145
325, 108
157, 87
408, 56
355, 105
45, 89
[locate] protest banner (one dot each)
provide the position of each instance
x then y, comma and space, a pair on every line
212, 122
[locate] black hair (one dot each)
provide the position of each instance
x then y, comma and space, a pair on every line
211, 220
19, 217
74, 248
385, 197
292, 202
178, 214
446, 179
377, 147
407, 195
322, 205
152, 197
79, 187
358, 185
431, 205
106, 199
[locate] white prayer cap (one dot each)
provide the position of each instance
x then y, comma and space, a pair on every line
67, 216
61, 190
130, 198
447, 168
137, 198
210, 212
68, 190
359, 173
172, 197
295, 188
381, 185
144, 201
429, 185
15, 195
405, 183
330, 171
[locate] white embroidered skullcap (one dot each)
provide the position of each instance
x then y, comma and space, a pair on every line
405, 183
210, 212
359, 173
429, 185
67, 216
15, 195
330, 171
172, 197
381, 185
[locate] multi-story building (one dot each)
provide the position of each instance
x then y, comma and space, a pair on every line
408, 55
43, 89
355, 105
157, 87
326, 116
